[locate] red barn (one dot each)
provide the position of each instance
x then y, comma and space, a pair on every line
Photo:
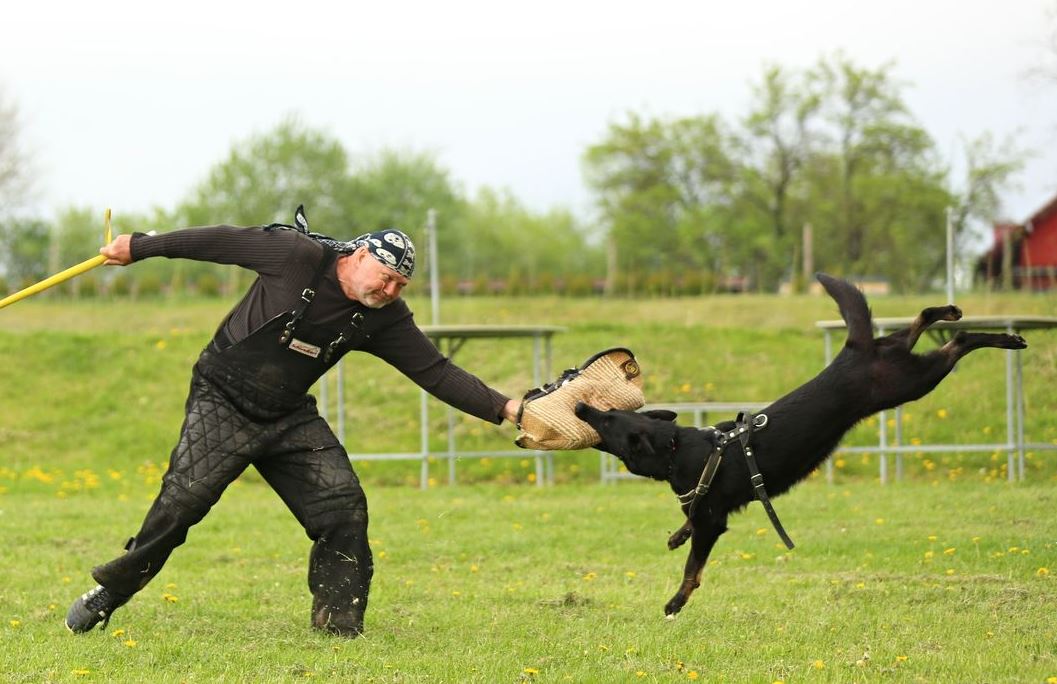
1032, 249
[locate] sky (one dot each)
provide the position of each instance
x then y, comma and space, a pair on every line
129, 104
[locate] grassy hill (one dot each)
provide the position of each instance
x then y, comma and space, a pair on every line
101, 384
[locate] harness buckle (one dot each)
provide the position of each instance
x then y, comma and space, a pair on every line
307, 294
288, 332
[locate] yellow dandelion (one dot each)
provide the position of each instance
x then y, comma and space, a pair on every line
640, 674
932, 537
473, 567
630, 574
159, 345
531, 671
928, 555
1051, 680
382, 554
169, 598
760, 531
818, 665
456, 594
692, 674
589, 577
746, 556
879, 521
81, 672
950, 571
1042, 572
603, 648
531, 477
949, 551
131, 643
901, 659
117, 633
15, 623
941, 414
840, 463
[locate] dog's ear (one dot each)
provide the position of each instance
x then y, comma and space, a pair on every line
661, 414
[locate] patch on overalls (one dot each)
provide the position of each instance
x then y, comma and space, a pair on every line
305, 348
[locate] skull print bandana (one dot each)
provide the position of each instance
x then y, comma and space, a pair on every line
391, 247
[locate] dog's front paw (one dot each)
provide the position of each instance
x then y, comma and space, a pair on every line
674, 606
679, 537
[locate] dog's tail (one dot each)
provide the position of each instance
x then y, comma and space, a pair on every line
853, 310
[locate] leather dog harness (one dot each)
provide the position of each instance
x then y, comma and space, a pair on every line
744, 425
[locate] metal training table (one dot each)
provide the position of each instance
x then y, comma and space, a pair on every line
449, 339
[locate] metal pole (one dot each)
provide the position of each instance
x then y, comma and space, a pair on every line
1019, 394
423, 417
1010, 420
950, 255
434, 275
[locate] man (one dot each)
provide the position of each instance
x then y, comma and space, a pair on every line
314, 299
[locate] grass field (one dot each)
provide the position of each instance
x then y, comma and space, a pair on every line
947, 576
913, 582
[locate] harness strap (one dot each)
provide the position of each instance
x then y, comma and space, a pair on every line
746, 423
346, 334
307, 295
707, 475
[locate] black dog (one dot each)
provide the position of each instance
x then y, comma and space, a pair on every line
800, 430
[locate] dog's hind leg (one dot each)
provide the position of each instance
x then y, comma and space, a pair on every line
701, 543
929, 369
965, 342
853, 310
926, 318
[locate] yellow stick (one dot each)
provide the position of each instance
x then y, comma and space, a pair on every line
63, 276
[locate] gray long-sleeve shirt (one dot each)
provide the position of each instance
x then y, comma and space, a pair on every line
285, 261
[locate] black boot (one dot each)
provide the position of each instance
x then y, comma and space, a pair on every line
94, 606
346, 622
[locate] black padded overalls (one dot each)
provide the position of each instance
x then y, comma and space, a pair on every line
248, 405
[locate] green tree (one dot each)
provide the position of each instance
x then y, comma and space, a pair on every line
532, 252
878, 183
266, 177
263, 180
393, 188
658, 186
16, 173
24, 251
